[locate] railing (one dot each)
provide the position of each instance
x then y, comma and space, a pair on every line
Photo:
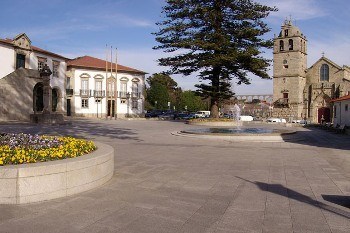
136, 95
99, 93
69, 92
85, 92
122, 94
110, 94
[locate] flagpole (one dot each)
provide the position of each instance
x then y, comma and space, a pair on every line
115, 83
106, 82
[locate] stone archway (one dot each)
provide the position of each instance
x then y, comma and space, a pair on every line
321, 107
38, 97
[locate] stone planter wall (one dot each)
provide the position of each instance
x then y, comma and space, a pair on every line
28, 183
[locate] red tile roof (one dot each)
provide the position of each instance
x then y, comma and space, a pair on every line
34, 48
346, 97
99, 64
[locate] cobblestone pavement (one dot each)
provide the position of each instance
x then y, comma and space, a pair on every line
165, 183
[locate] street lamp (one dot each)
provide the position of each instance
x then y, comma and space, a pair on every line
128, 104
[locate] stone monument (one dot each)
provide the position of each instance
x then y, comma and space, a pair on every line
46, 116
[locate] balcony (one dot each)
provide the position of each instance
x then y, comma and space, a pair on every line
69, 92
85, 92
136, 95
99, 93
111, 94
122, 94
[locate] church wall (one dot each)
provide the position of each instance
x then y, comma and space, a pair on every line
7, 60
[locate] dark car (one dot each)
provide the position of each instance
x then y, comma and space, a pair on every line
168, 115
154, 113
184, 116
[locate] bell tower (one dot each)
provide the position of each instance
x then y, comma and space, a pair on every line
289, 72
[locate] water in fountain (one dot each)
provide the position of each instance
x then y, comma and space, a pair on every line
236, 114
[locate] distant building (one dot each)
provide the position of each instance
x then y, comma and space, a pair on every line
300, 92
78, 86
21, 89
92, 97
342, 110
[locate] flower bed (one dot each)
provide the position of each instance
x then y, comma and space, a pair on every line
26, 148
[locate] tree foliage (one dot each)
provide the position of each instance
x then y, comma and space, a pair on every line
191, 102
158, 96
219, 39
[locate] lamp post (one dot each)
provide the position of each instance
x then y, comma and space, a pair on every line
155, 104
128, 104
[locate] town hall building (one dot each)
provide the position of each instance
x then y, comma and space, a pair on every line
300, 92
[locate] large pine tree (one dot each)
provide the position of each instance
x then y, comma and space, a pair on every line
219, 39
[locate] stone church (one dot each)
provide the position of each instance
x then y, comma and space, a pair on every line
300, 92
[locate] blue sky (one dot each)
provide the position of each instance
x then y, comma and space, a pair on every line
83, 27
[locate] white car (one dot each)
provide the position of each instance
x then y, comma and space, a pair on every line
246, 118
276, 120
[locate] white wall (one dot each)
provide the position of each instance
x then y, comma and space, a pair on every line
99, 108
342, 116
7, 60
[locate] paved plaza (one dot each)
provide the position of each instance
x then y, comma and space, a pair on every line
165, 183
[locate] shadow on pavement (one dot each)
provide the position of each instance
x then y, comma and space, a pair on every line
291, 194
82, 128
313, 136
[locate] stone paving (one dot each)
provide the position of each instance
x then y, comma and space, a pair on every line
165, 183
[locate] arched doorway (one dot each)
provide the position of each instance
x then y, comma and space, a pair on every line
326, 113
38, 97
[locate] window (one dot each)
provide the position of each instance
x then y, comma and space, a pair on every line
290, 44
20, 61
55, 68
346, 107
135, 89
110, 88
285, 63
68, 86
281, 45
84, 87
41, 63
324, 73
134, 104
286, 32
123, 89
123, 101
85, 103
98, 88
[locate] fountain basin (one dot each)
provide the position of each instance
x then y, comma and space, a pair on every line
240, 134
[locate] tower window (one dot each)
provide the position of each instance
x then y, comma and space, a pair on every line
285, 63
324, 73
281, 45
290, 44
286, 32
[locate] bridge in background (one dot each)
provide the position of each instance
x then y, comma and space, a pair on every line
248, 98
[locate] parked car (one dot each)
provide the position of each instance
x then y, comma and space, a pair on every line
202, 114
246, 118
276, 120
184, 116
154, 113
169, 115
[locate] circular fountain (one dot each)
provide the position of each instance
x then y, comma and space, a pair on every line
236, 130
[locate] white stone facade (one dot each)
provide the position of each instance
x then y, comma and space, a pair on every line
21, 90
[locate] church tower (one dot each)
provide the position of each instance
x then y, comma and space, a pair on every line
289, 72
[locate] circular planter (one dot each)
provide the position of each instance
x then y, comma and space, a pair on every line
27, 183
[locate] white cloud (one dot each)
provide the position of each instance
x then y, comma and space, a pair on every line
297, 9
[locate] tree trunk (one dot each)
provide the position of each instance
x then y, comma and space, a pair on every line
214, 110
